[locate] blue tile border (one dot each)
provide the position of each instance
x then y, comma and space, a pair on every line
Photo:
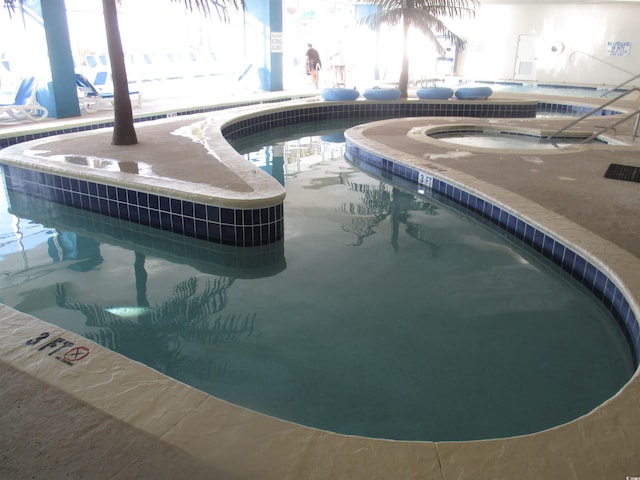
363, 109
594, 279
228, 226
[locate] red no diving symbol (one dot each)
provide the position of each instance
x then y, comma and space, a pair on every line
75, 354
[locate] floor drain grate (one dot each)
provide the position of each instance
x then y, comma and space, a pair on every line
623, 172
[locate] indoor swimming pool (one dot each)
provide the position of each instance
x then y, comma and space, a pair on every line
383, 313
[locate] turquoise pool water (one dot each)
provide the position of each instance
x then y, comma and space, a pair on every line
382, 314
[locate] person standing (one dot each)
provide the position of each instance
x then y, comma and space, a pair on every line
313, 64
339, 65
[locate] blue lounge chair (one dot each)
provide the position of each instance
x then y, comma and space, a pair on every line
91, 100
25, 106
88, 96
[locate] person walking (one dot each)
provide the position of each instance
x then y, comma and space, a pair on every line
313, 64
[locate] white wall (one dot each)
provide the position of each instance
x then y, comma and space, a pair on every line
580, 34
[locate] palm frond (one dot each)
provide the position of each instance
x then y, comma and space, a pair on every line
220, 6
10, 5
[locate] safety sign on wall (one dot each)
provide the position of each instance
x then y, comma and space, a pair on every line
618, 49
276, 42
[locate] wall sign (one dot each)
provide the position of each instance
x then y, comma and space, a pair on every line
276, 42
618, 49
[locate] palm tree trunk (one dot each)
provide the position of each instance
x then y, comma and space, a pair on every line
403, 82
124, 132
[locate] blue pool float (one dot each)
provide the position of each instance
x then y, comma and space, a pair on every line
435, 93
381, 94
473, 93
340, 94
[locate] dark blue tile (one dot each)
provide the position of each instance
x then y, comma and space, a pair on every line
529, 233
177, 223
547, 246
176, 206
599, 283
227, 216
228, 234
579, 267
189, 226
239, 217
187, 209
558, 252
165, 220
609, 293
121, 194
164, 204
154, 218
538, 240
200, 229
214, 232
114, 210
213, 214
143, 216
200, 211
154, 202
589, 277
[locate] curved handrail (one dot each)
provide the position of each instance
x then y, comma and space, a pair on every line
591, 112
621, 85
615, 124
593, 57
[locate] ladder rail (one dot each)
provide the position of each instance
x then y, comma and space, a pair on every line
591, 112
615, 124
621, 85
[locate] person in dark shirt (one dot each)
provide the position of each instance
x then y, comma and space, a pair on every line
313, 64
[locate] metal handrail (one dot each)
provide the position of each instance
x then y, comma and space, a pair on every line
591, 112
621, 85
593, 57
615, 124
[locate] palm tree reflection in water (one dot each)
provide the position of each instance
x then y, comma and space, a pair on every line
187, 321
378, 203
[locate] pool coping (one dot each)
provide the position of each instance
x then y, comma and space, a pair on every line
246, 444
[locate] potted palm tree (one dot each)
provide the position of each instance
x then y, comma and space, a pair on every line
424, 15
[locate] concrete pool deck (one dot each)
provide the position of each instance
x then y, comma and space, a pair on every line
109, 417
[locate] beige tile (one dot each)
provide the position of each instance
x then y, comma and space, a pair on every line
340, 457
248, 444
16, 329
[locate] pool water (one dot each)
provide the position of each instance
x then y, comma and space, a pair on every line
548, 89
382, 313
506, 140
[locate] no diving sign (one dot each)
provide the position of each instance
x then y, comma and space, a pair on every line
59, 348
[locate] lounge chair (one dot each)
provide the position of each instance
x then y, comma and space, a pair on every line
91, 100
25, 106
88, 96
